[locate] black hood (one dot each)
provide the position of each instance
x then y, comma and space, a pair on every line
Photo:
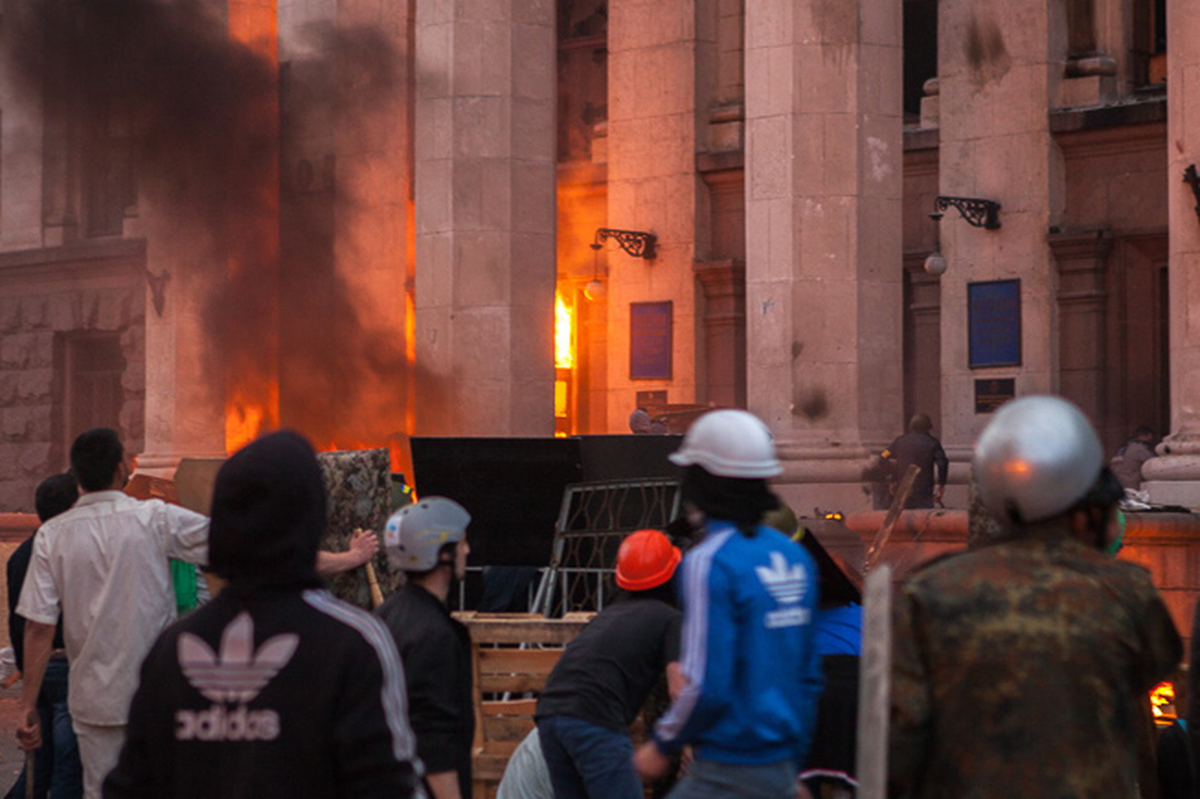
268, 514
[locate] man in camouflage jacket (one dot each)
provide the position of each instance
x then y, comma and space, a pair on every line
1020, 669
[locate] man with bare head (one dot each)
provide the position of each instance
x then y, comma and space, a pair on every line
103, 566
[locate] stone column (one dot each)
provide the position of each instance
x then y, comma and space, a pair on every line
652, 187
1082, 318
823, 237
724, 284
997, 78
23, 112
192, 253
1175, 478
485, 217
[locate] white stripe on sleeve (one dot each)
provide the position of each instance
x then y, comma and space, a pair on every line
694, 656
395, 695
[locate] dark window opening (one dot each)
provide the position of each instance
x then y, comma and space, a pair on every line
582, 75
920, 53
1149, 49
108, 173
93, 395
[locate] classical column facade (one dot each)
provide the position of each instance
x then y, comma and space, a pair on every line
1175, 477
997, 78
485, 217
823, 237
652, 187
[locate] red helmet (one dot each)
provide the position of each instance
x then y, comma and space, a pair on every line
646, 560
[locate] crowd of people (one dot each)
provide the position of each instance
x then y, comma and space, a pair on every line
1019, 668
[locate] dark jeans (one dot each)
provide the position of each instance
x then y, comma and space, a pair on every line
56, 768
586, 761
708, 779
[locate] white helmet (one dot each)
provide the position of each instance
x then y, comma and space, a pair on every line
729, 443
1038, 457
416, 533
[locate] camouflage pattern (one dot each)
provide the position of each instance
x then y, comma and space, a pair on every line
1020, 670
982, 527
360, 496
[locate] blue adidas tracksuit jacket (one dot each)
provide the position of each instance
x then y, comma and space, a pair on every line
748, 650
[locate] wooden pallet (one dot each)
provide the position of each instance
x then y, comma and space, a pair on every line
512, 654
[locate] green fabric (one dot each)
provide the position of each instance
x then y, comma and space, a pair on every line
183, 577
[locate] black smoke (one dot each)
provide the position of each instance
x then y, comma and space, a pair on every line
210, 141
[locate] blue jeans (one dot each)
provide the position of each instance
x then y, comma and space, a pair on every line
708, 779
56, 767
586, 761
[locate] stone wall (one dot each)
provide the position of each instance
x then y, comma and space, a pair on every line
46, 297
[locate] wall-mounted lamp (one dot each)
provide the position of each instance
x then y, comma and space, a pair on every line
978, 213
1192, 179
634, 242
595, 288
935, 262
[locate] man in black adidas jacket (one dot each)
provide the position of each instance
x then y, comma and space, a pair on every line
275, 688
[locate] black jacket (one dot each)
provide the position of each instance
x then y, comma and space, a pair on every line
275, 688
436, 652
328, 720
926, 452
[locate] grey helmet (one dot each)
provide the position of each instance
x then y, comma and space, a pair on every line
1037, 458
416, 533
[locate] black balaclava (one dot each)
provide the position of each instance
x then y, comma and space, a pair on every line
743, 501
268, 514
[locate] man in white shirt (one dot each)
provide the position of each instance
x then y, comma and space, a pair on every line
103, 565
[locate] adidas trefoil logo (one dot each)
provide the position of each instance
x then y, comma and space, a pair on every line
787, 584
237, 674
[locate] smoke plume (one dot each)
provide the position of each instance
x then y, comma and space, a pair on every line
207, 133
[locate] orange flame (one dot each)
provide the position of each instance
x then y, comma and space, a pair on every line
564, 338
1162, 703
246, 419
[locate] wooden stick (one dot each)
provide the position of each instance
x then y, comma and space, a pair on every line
874, 695
889, 521
29, 775
373, 582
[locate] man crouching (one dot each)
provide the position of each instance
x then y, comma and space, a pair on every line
275, 688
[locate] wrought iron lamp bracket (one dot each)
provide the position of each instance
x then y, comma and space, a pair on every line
635, 242
977, 212
1192, 179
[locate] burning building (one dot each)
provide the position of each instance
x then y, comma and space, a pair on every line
362, 220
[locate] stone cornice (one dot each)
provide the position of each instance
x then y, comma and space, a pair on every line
1141, 112
91, 250
93, 259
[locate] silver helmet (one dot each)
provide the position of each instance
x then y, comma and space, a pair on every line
1038, 457
416, 533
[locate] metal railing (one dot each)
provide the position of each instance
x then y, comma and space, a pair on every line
593, 520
